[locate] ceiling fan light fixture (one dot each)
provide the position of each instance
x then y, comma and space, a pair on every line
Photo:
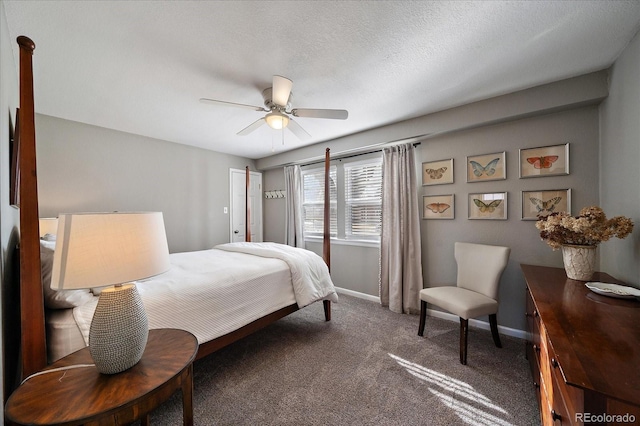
277, 120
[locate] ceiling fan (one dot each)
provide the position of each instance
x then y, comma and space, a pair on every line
277, 105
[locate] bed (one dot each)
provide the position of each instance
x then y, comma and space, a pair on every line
210, 293
268, 291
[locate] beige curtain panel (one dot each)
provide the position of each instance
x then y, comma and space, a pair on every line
294, 228
400, 249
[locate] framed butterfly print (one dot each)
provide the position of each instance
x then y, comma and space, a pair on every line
437, 172
487, 167
542, 203
438, 207
488, 206
544, 161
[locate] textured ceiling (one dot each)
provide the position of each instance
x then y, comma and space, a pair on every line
141, 67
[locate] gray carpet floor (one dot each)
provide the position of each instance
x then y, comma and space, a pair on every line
367, 366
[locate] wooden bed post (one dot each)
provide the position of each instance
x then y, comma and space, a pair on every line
33, 338
326, 237
247, 219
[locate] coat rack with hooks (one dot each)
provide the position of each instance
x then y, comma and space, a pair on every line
275, 193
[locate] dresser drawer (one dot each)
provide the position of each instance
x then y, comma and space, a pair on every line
533, 321
553, 387
572, 397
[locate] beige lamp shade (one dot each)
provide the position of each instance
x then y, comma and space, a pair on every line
98, 249
48, 225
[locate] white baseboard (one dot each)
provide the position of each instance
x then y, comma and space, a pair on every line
520, 334
358, 294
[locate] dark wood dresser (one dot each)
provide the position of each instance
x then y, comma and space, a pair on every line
583, 349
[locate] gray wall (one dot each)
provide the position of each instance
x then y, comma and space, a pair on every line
87, 168
274, 222
620, 162
557, 113
579, 127
9, 217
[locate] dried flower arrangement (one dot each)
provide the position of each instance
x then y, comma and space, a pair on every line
589, 228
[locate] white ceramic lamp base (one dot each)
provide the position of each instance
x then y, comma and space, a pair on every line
119, 329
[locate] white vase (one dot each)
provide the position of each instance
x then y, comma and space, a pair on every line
579, 261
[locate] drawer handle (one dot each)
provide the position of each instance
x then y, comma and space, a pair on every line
554, 363
555, 416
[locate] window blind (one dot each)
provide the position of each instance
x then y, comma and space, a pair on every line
313, 202
363, 199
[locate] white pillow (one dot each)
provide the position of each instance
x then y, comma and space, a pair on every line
58, 299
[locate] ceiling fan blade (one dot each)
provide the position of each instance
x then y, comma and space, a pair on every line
281, 90
338, 114
251, 127
297, 130
233, 104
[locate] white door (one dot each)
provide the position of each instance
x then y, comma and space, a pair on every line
237, 179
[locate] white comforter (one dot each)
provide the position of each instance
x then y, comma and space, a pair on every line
214, 292
309, 274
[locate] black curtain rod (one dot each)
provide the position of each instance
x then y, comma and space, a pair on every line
343, 157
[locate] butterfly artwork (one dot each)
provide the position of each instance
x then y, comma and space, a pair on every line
545, 207
542, 162
488, 206
436, 173
486, 167
438, 207
537, 204
484, 207
489, 169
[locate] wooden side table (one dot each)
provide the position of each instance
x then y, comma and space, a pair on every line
83, 396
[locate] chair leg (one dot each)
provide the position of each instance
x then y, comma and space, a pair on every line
423, 317
464, 332
493, 322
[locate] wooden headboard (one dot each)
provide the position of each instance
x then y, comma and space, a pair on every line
32, 333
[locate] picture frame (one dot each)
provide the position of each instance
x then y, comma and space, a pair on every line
544, 202
487, 205
437, 172
14, 167
438, 206
543, 161
486, 167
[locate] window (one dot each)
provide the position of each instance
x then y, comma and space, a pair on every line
356, 200
363, 200
313, 202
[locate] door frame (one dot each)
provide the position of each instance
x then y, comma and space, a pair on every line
258, 193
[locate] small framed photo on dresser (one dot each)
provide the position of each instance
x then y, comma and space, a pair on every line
437, 172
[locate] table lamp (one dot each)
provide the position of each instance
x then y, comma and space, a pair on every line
99, 249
